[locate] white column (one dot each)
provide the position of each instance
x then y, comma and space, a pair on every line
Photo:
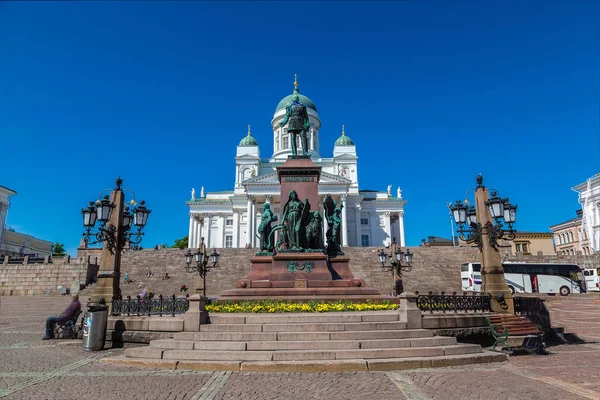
207, 236
191, 232
401, 221
344, 231
200, 230
372, 225
358, 226
220, 239
249, 221
195, 234
388, 225
236, 229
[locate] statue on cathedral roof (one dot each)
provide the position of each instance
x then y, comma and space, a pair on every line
297, 117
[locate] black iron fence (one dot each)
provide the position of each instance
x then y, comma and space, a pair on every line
475, 302
151, 305
534, 309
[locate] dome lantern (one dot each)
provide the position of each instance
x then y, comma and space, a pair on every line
287, 100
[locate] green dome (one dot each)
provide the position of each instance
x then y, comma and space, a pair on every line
344, 140
287, 100
248, 140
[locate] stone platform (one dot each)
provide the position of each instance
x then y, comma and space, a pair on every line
366, 341
302, 276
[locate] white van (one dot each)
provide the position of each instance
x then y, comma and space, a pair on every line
592, 279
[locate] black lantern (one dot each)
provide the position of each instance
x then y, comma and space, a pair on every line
89, 215
127, 217
214, 257
382, 258
472, 216
141, 214
104, 209
496, 206
459, 211
188, 257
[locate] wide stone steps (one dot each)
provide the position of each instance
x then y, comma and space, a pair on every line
352, 341
300, 355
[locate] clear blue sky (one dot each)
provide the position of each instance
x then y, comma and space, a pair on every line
432, 93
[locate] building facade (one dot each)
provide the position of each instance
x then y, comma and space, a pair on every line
230, 219
532, 243
589, 198
5, 195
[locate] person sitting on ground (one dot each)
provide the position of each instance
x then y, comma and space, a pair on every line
166, 277
183, 289
126, 277
149, 274
70, 312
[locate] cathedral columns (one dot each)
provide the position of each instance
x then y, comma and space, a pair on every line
401, 228
191, 232
236, 229
198, 231
325, 224
249, 218
388, 226
220, 239
344, 231
207, 237
358, 227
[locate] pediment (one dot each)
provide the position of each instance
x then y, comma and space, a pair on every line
271, 179
247, 157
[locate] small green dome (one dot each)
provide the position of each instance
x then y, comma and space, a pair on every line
344, 140
248, 140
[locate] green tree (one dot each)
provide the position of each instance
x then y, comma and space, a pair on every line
58, 249
165, 245
181, 243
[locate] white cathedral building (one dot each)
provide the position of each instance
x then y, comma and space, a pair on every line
231, 218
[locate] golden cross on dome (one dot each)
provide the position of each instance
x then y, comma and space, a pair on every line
295, 81
248, 129
343, 132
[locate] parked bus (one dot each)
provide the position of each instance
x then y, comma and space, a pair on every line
592, 279
529, 278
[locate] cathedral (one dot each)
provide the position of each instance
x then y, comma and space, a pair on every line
231, 218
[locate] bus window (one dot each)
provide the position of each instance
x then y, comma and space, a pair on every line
464, 268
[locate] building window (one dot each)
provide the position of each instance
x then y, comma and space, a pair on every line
518, 247
228, 241
524, 247
286, 143
229, 222
364, 221
364, 239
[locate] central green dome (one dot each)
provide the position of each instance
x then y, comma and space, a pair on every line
287, 100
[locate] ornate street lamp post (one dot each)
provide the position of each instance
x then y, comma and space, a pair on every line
397, 256
483, 226
198, 262
115, 234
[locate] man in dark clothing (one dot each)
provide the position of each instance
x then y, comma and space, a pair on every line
73, 309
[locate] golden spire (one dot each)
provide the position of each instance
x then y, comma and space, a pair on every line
343, 132
248, 129
295, 82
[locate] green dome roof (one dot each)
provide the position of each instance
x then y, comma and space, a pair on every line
344, 140
248, 140
287, 100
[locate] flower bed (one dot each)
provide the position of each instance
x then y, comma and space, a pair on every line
280, 306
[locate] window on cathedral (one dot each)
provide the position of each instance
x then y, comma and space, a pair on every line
364, 221
286, 143
229, 222
364, 240
228, 241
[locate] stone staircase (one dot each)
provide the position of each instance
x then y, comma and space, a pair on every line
346, 341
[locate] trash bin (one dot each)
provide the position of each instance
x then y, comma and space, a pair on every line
94, 326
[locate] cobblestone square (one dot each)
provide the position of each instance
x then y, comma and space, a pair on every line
61, 369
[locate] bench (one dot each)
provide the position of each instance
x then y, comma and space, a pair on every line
62, 328
518, 328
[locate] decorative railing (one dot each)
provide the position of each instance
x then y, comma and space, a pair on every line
161, 306
476, 302
534, 309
